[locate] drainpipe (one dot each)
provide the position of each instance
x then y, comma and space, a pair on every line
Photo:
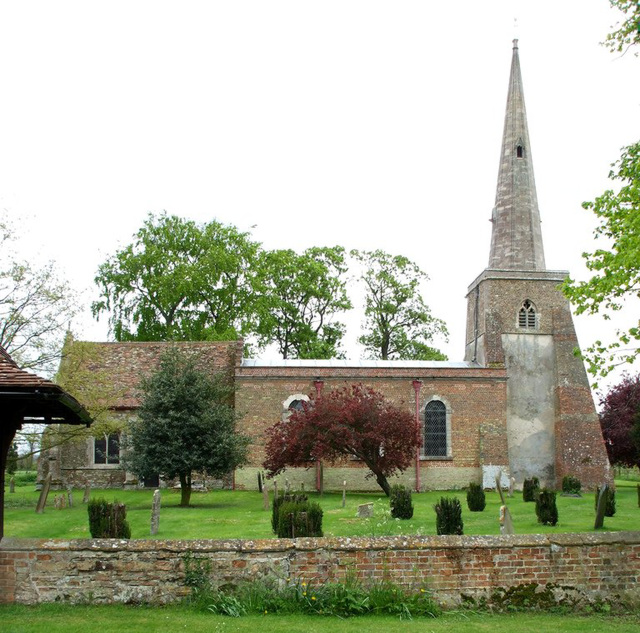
416, 387
318, 383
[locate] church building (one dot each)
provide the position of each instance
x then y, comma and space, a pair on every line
519, 404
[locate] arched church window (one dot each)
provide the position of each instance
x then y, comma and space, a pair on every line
106, 449
293, 403
519, 151
435, 429
527, 315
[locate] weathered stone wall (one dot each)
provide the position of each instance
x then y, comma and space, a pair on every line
476, 398
604, 566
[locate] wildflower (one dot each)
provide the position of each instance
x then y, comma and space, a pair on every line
421, 590
313, 597
304, 593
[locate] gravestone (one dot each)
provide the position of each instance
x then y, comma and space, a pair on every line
70, 496
365, 511
265, 498
512, 484
12, 484
87, 493
155, 513
344, 493
44, 493
59, 502
601, 508
506, 523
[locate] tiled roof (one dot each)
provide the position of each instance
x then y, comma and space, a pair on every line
26, 396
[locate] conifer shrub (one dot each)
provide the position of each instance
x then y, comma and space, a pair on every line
278, 500
546, 508
448, 516
610, 505
400, 502
476, 499
530, 488
571, 485
108, 520
298, 519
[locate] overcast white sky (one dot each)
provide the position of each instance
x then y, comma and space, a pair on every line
362, 123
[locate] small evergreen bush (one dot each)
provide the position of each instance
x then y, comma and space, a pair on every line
448, 516
400, 502
530, 488
571, 485
476, 499
282, 497
610, 506
297, 519
108, 520
546, 508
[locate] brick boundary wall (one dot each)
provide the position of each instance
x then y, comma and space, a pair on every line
578, 567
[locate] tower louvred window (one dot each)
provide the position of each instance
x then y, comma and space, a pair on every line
527, 315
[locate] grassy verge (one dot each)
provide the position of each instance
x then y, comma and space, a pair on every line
118, 618
226, 514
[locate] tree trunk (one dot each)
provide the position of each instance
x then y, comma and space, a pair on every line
185, 489
383, 483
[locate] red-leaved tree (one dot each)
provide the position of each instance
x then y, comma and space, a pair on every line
620, 421
353, 421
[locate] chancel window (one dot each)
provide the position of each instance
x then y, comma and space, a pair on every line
435, 429
527, 316
293, 403
106, 449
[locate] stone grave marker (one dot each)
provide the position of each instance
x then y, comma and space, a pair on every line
512, 483
344, 493
265, 498
365, 511
44, 493
70, 496
155, 512
87, 493
12, 484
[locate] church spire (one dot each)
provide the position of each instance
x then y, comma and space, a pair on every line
516, 239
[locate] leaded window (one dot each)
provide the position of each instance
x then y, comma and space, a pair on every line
435, 429
106, 449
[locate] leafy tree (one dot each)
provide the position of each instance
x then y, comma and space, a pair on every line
12, 459
628, 33
352, 422
186, 424
398, 323
615, 266
179, 281
36, 307
620, 421
303, 293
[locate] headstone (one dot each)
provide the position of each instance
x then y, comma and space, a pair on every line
155, 513
259, 482
506, 524
344, 493
365, 511
286, 486
87, 493
265, 498
12, 484
302, 486
59, 502
512, 484
44, 493
70, 496
601, 508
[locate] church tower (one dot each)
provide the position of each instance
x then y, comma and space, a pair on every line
518, 318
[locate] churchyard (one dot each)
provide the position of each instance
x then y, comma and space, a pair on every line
225, 514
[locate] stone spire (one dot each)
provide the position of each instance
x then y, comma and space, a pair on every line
516, 239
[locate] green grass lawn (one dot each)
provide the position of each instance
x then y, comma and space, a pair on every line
53, 618
224, 514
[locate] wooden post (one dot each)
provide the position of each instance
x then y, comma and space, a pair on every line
344, 493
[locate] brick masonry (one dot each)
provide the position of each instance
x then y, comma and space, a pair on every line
603, 566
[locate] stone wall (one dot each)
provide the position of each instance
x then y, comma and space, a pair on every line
582, 567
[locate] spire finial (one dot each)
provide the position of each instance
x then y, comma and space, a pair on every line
515, 43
